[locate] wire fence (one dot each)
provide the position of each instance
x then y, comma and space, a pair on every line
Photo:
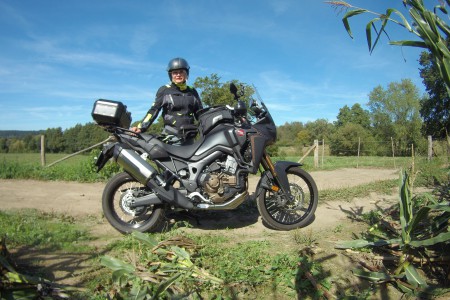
319, 155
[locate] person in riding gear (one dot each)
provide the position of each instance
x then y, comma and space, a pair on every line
179, 103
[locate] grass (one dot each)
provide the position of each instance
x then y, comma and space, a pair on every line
245, 269
79, 168
248, 267
385, 187
32, 228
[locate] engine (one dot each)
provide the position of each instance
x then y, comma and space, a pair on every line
219, 181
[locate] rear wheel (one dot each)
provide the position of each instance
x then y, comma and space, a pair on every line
119, 192
281, 213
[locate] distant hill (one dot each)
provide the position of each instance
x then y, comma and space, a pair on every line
19, 133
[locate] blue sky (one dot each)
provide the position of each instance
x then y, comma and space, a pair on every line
58, 57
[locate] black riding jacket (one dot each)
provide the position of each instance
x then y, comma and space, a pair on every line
178, 107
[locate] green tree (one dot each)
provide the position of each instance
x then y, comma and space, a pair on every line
435, 108
3, 145
395, 114
54, 140
16, 146
287, 133
344, 116
304, 138
32, 142
319, 129
355, 115
71, 138
348, 137
213, 92
80, 137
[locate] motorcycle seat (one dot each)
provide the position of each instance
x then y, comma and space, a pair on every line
182, 151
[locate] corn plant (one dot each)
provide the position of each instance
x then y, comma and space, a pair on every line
426, 25
18, 285
169, 271
422, 237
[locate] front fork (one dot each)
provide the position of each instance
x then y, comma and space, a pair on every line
280, 180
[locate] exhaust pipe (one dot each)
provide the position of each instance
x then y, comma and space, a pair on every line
143, 172
135, 165
231, 204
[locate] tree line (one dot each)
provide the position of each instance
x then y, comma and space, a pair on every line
396, 113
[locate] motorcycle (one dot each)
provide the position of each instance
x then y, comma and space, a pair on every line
209, 175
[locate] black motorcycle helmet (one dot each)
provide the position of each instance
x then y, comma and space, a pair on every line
176, 64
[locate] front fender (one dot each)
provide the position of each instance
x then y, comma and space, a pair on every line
281, 167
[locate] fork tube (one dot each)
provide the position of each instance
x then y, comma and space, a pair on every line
268, 165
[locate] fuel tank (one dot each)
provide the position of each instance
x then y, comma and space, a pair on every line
222, 138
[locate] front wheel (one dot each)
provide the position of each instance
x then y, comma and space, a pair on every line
119, 192
281, 213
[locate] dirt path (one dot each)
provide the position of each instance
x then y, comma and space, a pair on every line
333, 221
80, 199
85, 198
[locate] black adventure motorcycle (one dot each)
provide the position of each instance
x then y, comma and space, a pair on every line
211, 174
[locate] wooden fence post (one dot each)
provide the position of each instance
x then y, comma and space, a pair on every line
43, 150
393, 153
323, 150
430, 147
316, 153
359, 149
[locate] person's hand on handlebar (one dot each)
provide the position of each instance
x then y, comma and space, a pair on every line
135, 129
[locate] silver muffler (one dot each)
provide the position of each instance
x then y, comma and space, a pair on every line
143, 172
135, 165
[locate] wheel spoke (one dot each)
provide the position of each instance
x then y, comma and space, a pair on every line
121, 199
294, 210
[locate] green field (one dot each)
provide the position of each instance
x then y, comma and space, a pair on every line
81, 167
77, 168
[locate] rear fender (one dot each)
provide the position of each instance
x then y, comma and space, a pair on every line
105, 155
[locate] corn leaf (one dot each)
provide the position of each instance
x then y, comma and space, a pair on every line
138, 292
443, 26
364, 243
369, 34
120, 277
180, 252
418, 44
441, 8
423, 28
440, 238
377, 277
349, 15
414, 277
14, 277
405, 288
165, 285
419, 217
405, 22
4, 262
405, 207
116, 264
145, 238
423, 213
